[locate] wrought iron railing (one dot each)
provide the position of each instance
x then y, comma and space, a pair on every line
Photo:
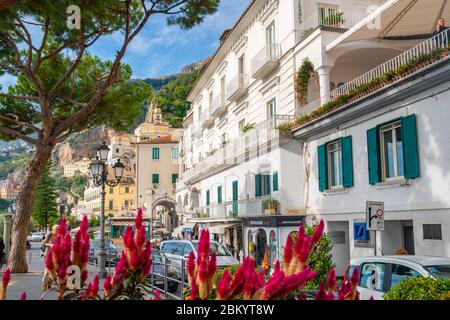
438, 42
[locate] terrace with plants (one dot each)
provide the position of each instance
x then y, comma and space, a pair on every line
406, 65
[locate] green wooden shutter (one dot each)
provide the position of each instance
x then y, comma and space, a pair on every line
156, 153
155, 178
235, 197
267, 181
275, 181
323, 168
208, 197
373, 153
347, 162
174, 177
258, 185
219, 194
410, 147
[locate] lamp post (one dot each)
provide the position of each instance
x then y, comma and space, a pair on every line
8, 219
99, 173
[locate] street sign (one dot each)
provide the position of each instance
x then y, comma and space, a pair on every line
375, 216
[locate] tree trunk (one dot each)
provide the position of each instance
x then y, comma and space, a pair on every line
17, 260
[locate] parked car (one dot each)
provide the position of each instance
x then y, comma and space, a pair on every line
379, 274
112, 255
158, 273
178, 250
36, 237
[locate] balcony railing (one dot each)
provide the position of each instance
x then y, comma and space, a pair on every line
251, 207
206, 119
237, 87
390, 70
330, 17
260, 140
266, 61
218, 106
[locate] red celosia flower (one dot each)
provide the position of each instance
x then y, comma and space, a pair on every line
317, 233
191, 264
23, 296
288, 251
6, 278
305, 250
107, 285
157, 295
322, 293
354, 279
223, 287
95, 285
331, 280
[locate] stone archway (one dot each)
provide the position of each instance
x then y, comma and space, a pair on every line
170, 216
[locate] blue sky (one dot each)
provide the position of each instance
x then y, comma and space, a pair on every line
161, 49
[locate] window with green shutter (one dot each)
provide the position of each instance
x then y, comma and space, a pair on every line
266, 179
174, 178
208, 197
258, 185
335, 164
323, 168
373, 154
410, 147
393, 151
219, 194
275, 181
347, 162
155, 153
155, 178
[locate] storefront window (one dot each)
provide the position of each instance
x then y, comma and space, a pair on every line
261, 244
273, 245
251, 244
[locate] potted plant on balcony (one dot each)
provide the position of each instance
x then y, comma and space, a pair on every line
333, 20
271, 206
248, 127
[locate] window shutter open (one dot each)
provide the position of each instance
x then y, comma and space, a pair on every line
258, 185
410, 147
373, 155
208, 198
323, 170
347, 162
219, 194
267, 180
275, 181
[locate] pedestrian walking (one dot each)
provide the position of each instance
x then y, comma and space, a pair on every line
2, 253
48, 244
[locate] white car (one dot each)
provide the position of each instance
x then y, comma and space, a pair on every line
379, 274
37, 236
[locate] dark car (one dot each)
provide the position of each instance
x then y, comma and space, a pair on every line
158, 273
112, 256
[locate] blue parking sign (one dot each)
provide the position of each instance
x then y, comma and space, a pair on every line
360, 232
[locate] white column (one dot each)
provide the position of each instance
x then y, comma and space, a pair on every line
324, 81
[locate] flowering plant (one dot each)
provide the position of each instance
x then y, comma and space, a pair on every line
248, 284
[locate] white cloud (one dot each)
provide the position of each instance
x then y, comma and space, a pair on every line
7, 80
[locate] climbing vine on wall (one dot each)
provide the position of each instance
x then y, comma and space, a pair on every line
304, 76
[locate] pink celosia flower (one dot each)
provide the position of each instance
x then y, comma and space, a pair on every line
322, 293
223, 287
23, 296
317, 235
288, 251
331, 280
157, 295
6, 278
107, 285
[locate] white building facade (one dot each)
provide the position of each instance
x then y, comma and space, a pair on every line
252, 182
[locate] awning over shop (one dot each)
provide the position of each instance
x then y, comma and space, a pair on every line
177, 231
220, 228
396, 20
188, 227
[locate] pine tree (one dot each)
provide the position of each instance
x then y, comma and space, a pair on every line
45, 211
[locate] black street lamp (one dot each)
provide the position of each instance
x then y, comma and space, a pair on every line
99, 174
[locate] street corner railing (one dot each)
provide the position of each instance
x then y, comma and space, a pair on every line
172, 279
